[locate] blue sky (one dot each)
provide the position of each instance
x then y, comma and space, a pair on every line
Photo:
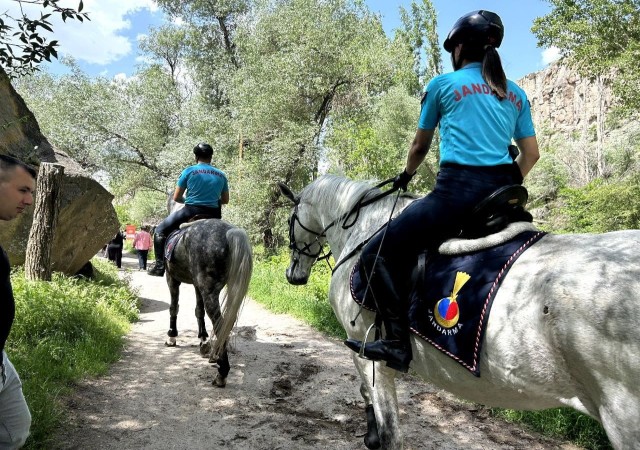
107, 45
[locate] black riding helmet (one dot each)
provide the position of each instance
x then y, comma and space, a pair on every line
481, 27
203, 150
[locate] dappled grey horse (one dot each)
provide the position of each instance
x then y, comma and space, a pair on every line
210, 255
564, 328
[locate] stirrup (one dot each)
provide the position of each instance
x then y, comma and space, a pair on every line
364, 342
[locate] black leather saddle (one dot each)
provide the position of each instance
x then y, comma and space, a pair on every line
495, 212
201, 217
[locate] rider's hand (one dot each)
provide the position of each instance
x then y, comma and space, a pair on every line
402, 180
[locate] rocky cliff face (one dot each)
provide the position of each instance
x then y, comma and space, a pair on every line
87, 219
564, 102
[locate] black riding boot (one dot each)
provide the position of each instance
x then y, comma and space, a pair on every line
158, 247
395, 348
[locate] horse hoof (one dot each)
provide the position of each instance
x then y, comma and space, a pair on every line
205, 349
219, 382
171, 342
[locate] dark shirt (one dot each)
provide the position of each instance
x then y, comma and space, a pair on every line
7, 303
117, 241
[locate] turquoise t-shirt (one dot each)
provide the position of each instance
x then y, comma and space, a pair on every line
204, 184
476, 128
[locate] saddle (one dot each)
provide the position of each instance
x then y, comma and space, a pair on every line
495, 212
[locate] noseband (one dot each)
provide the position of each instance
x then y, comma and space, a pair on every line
305, 250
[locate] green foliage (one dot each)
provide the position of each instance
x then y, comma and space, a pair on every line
22, 46
309, 303
562, 423
600, 207
65, 330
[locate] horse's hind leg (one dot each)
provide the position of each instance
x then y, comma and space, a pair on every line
202, 328
174, 290
620, 416
212, 307
223, 369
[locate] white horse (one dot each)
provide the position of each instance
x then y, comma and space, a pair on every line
564, 328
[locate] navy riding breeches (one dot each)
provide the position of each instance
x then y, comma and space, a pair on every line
183, 215
438, 216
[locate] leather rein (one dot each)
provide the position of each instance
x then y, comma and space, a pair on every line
348, 220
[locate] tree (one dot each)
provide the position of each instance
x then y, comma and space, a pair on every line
45, 219
22, 45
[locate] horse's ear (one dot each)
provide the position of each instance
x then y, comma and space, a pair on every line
287, 192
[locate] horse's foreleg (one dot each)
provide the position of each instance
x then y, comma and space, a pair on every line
371, 438
202, 328
383, 397
174, 290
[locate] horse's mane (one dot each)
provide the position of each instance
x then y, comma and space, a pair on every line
334, 192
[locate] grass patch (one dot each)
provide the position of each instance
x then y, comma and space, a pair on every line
308, 303
563, 423
66, 330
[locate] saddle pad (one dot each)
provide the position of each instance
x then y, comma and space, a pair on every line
172, 241
449, 306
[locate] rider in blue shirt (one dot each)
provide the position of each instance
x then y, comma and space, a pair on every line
479, 112
207, 189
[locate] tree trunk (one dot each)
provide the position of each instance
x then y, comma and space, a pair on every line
600, 130
45, 216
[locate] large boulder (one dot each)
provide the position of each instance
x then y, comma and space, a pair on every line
86, 220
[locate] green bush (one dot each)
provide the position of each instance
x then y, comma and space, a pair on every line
600, 207
65, 330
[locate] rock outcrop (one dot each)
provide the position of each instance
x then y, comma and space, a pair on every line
563, 101
87, 219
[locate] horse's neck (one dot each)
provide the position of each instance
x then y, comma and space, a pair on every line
363, 224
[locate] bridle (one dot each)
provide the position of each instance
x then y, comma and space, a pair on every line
305, 250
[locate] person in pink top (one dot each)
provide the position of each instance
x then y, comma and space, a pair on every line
142, 243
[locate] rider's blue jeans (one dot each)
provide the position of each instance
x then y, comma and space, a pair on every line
15, 419
436, 217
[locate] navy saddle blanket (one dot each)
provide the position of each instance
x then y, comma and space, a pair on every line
450, 302
172, 241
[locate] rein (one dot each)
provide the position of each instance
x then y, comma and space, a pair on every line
346, 224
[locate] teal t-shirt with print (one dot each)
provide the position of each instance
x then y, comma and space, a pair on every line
476, 128
204, 184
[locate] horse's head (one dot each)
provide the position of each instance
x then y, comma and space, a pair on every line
306, 238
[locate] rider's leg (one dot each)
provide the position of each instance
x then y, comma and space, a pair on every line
425, 223
160, 237
395, 348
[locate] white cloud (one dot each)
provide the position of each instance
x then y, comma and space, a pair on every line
100, 40
120, 77
550, 55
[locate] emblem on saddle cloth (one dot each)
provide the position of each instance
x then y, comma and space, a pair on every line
452, 297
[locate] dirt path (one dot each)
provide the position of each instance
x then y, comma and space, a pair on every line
289, 388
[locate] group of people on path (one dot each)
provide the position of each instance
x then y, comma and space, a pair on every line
478, 112
141, 243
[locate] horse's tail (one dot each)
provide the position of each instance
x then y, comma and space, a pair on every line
240, 268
